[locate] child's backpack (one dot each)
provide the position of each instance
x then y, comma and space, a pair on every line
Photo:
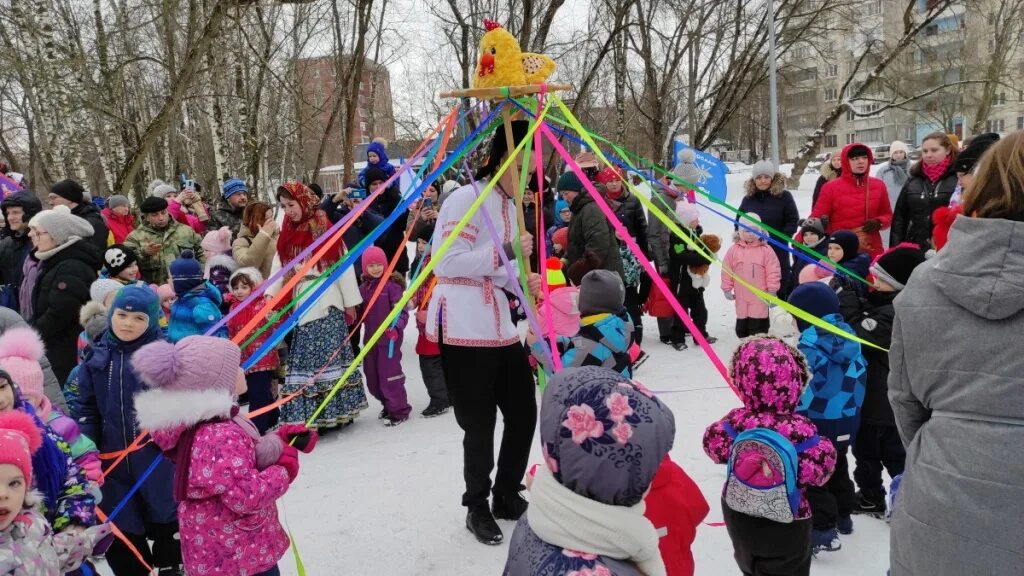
761, 479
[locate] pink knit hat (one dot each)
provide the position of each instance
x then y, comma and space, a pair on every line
217, 242
21, 349
194, 363
374, 255
163, 291
19, 439
687, 212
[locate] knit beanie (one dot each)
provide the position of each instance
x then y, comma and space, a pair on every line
217, 241
253, 274
160, 189
687, 169
815, 298
813, 225
117, 258
896, 264
103, 287
846, 240
553, 271
62, 225
609, 174
137, 298
602, 435
20, 438
21, 349
763, 168
69, 190
234, 186
426, 233
164, 291
897, 146
561, 237
373, 174
194, 363
601, 292
569, 182
152, 205
374, 255
117, 200
968, 159
186, 273
687, 212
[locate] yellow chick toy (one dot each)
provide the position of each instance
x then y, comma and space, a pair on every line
503, 63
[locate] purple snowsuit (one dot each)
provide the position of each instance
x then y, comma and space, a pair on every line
384, 376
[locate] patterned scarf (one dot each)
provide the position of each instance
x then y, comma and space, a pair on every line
933, 172
297, 236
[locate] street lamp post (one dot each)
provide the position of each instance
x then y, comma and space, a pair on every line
773, 97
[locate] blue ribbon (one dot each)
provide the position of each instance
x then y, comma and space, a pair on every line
135, 488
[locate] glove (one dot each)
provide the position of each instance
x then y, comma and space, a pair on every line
289, 460
93, 470
305, 439
871, 226
729, 295
391, 334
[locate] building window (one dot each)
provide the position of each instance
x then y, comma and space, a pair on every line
991, 46
831, 94
996, 125
831, 70
874, 7
1020, 122
850, 115
831, 141
851, 138
1000, 99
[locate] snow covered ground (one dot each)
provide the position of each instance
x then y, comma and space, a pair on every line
373, 500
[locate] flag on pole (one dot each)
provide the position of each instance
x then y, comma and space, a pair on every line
8, 186
709, 172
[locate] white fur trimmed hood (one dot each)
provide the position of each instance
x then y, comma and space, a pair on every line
163, 409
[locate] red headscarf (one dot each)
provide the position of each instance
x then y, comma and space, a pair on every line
297, 236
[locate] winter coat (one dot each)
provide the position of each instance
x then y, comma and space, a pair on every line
29, 547
81, 448
61, 290
15, 247
271, 360
561, 311
658, 234
681, 257
76, 502
226, 215
393, 238
603, 340
676, 507
957, 390
631, 214
828, 174
912, 217
361, 228
51, 386
119, 226
173, 239
590, 231
833, 397
174, 208
772, 405
531, 556
777, 209
848, 201
894, 176
195, 312
756, 264
385, 303
821, 248
91, 214
228, 518
874, 324
420, 301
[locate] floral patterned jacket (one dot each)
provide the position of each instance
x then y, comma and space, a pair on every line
29, 547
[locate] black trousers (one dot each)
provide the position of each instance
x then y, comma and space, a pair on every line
482, 381
432, 370
166, 551
763, 547
750, 326
692, 301
633, 304
260, 389
837, 497
877, 447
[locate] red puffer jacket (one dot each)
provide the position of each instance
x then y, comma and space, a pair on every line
850, 200
676, 507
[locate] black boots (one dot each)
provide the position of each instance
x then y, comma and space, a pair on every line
509, 506
480, 522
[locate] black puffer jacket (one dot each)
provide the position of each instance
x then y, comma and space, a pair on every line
912, 216
60, 291
631, 214
681, 256
392, 240
92, 215
15, 247
874, 324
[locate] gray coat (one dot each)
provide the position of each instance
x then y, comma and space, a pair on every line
957, 390
51, 387
894, 177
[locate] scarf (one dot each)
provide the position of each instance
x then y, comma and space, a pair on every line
47, 254
297, 236
29, 276
563, 518
933, 172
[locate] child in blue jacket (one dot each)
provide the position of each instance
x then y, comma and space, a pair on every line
832, 400
197, 308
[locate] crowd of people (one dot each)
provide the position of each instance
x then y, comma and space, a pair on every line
127, 336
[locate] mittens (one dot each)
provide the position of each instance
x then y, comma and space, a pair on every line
289, 460
304, 438
729, 295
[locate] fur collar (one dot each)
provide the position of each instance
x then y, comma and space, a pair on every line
776, 189
90, 310
162, 409
828, 171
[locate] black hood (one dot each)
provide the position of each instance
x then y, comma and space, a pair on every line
27, 201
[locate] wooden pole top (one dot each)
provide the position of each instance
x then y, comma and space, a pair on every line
504, 91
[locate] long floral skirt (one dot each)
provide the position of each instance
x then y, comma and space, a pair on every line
313, 345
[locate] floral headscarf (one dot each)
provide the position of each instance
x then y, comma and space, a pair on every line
604, 436
297, 236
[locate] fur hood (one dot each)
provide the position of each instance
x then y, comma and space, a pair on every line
161, 409
828, 171
93, 317
776, 189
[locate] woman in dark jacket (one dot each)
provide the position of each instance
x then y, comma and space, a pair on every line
766, 196
15, 244
829, 171
931, 185
69, 267
631, 214
393, 239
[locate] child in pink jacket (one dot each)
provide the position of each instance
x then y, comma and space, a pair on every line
751, 259
227, 477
